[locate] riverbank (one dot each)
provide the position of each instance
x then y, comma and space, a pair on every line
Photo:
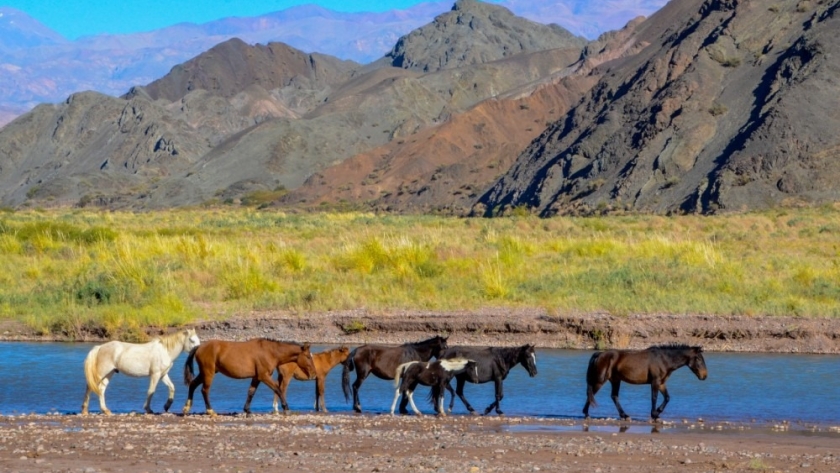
511, 327
332, 442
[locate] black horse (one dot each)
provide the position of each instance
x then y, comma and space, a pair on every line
650, 366
494, 364
382, 361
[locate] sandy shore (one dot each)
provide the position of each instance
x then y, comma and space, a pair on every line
370, 443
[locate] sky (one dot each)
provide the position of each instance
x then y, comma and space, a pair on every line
75, 18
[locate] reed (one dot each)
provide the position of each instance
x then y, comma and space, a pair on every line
77, 271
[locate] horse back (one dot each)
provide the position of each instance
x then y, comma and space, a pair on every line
632, 366
488, 362
383, 361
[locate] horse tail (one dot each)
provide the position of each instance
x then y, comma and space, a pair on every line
400, 369
90, 371
189, 375
349, 365
593, 377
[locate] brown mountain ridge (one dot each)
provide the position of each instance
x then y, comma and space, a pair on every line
732, 106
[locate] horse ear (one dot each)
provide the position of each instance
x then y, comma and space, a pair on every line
305, 346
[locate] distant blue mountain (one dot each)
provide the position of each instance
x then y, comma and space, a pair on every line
20, 31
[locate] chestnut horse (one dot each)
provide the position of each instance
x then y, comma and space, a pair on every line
382, 361
256, 359
650, 366
324, 362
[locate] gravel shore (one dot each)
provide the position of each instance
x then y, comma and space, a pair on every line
370, 443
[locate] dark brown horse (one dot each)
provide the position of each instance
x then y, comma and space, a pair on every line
324, 362
256, 359
650, 366
382, 361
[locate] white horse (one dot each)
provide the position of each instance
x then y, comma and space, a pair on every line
152, 359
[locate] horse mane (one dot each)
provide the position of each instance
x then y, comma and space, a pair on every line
424, 342
172, 340
674, 346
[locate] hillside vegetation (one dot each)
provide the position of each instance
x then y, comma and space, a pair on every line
115, 274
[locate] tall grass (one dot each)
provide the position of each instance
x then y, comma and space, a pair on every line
117, 273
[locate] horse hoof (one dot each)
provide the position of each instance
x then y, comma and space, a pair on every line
211, 413
106, 412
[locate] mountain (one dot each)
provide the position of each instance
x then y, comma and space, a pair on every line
472, 33
731, 106
18, 31
445, 167
240, 119
41, 66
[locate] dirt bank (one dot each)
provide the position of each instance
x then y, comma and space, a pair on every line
513, 327
370, 443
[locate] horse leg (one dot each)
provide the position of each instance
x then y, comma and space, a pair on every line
654, 411
410, 393
252, 389
205, 392
459, 390
171, 386
451, 394
360, 378
439, 395
499, 395
283, 382
394, 403
615, 387
103, 385
153, 380
404, 400
320, 389
86, 401
266, 379
193, 385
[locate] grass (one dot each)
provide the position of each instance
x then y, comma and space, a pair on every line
116, 273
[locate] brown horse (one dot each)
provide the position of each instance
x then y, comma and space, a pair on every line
650, 366
382, 361
324, 362
256, 359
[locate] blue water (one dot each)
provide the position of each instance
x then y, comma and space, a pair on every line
48, 377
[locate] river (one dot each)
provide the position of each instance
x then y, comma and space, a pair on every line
44, 378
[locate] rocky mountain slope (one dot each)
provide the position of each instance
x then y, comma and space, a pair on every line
240, 119
475, 33
731, 106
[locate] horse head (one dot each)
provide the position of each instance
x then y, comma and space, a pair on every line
528, 359
438, 345
341, 353
697, 363
190, 340
305, 361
